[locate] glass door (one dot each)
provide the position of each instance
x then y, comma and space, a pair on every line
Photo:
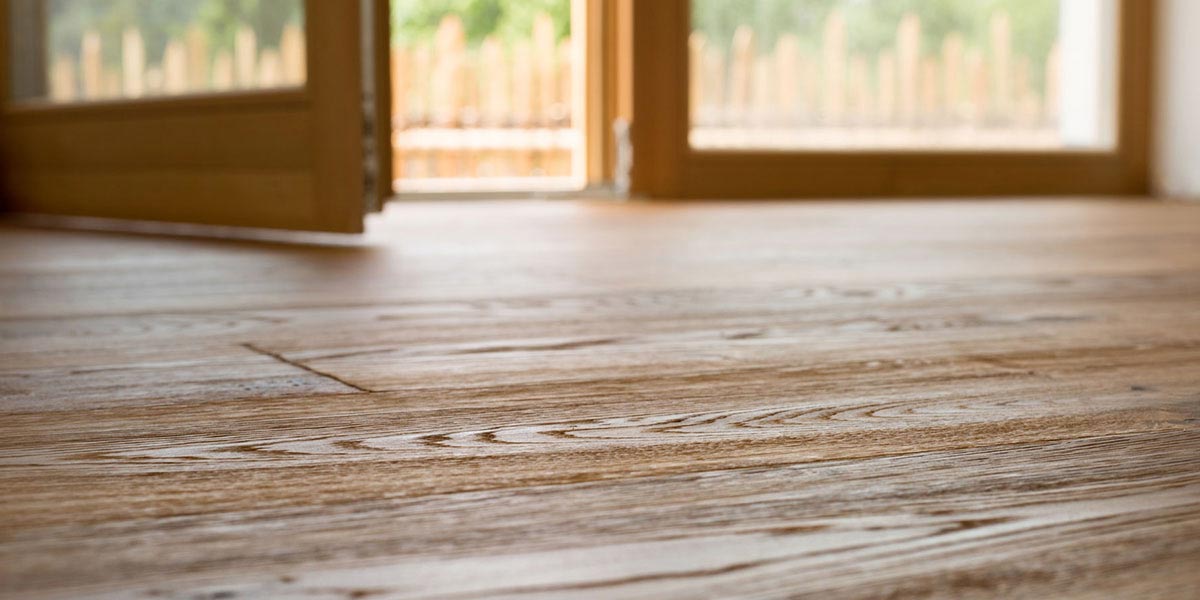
852, 75
228, 112
745, 98
500, 96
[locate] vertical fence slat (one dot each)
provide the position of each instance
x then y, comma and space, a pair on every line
697, 80
522, 84
1000, 30
715, 83
544, 76
810, 87
222, 71
198, 68
447, 82
762, 90
1053, 84
741, 69
908, 48
930, 103
62, 80
886, 95
292, 54
91, 65
978, 87
422, 73
494, 87
400, 70
175, 75
787, 77
833, 72
858, 89
562, 95
270, 69
133, 63
952, 76
245, 57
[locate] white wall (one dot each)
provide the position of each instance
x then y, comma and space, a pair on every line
1177, 169
1087, 36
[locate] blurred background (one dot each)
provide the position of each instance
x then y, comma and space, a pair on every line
482, 90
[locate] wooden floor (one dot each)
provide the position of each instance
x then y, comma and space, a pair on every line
560, 400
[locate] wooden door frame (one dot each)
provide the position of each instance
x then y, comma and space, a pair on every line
288, 158
381, 43
665, 165
594, 96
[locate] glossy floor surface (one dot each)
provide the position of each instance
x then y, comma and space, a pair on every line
586, 400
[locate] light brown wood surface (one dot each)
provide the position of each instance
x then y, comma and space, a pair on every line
575, 400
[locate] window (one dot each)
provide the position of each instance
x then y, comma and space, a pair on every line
125, 49
891, 74
825, 98
286, 113
200, 111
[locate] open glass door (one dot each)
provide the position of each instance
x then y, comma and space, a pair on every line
224, 112
502, 96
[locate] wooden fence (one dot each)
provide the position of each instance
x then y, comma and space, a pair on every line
189, 64
497, 110
501, 110
494, 110
735, 85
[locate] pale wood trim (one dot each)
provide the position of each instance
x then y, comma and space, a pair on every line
657, 32
382, 43
614, 87
592, 107
1135, 85
666, 167
619, 85
335, 83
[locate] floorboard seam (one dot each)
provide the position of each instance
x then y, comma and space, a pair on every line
299, 365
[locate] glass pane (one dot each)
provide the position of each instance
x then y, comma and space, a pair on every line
79, 50
902, 74
482, 95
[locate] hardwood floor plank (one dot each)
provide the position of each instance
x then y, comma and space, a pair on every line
965, 399
861, 524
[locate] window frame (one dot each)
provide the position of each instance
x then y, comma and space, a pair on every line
666, 166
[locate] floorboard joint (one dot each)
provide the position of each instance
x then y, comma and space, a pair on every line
300, 365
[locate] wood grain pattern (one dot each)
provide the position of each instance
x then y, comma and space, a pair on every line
573, 400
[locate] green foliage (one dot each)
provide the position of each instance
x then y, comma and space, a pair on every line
267, 18
415, 21
871, 24
160, 20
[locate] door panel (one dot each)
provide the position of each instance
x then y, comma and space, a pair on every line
279, 145
723, 147
858, 75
